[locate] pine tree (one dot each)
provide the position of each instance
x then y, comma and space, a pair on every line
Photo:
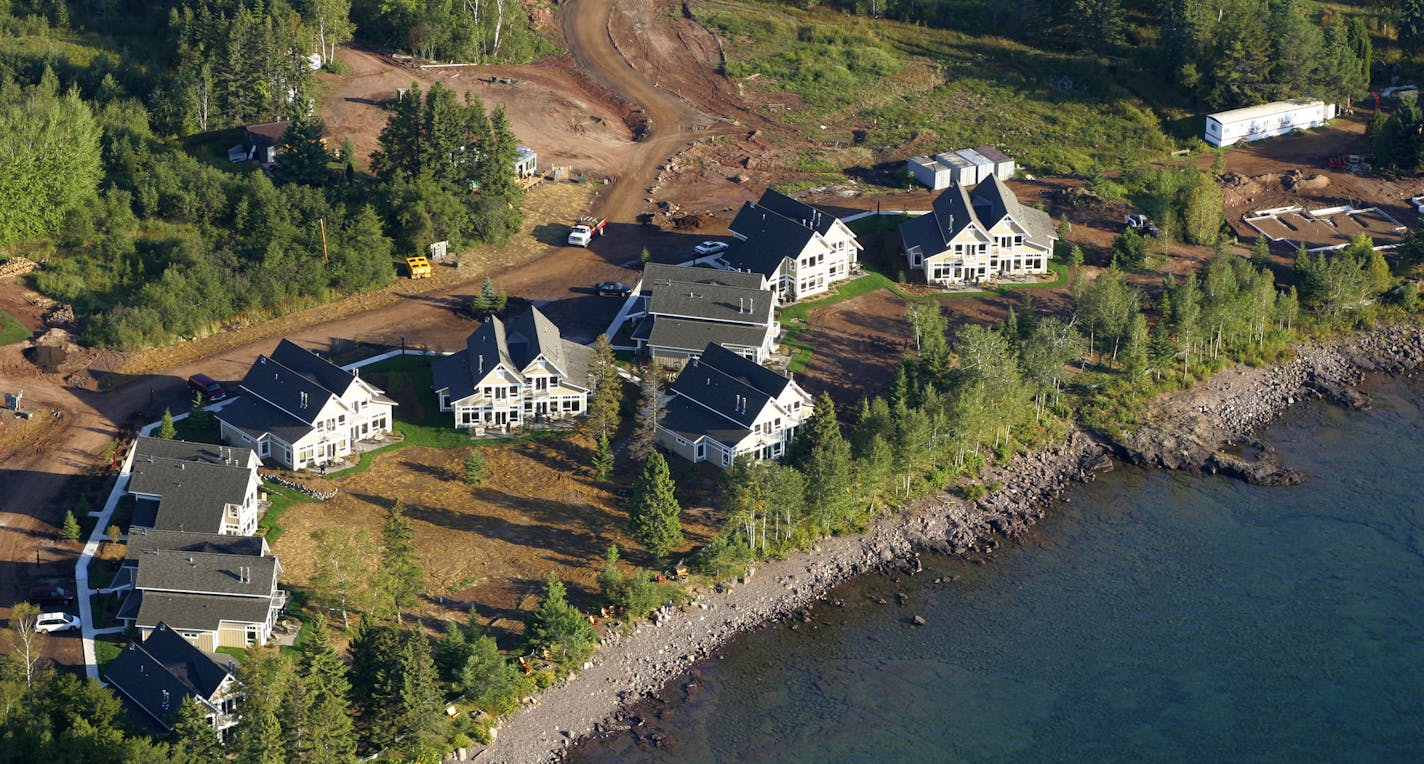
557, 626
400, 579
474, 467
265, 680
487, 679
193, 736
418, 716
326, 712
650, 412
607, 396
375, 683
653, 511
602, 458
822, 454
70, 530
1261, 252
166, 430
301, 157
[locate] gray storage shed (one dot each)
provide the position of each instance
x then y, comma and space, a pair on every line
929, 172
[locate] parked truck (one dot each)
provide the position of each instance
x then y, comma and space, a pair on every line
585, 229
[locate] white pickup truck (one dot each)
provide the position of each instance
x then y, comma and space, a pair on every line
585, 229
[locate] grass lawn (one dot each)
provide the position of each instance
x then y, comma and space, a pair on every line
282, 499
11, 330
914, 89
107, 647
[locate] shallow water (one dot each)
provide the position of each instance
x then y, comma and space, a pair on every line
1155, 616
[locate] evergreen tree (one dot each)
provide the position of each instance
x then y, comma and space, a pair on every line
1261, 252
326, 714
607, 396
376, 683
399, 579
602, 458
822, 454
1129, 249
193, 736
166, 430
301, 157
650, 412
69, 531
51, 148
398, 149
418, 718
474, 467
653, 510
559, 627
265, 678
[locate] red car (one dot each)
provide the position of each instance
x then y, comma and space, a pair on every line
51, 595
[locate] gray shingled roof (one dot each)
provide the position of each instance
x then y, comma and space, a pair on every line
163, 671
192, 495
950, 213
515, 344
313, 367
692, 336
993, 201
160, 448
728, 384
280, 387
148, 540
206, 573
771, 238
692, 422
656, 274
257, 418
711, 302
808, 215
200, 612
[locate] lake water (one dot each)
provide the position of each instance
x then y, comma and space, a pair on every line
1154, 617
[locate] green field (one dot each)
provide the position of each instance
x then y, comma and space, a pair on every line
918, 90
11, 330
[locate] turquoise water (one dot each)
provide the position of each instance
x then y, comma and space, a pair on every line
1153, 617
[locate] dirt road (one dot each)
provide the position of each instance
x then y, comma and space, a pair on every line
34, 476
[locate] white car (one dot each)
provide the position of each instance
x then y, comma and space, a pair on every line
48, 622
710, 248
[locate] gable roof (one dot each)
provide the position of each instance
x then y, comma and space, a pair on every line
286, 389
712, 302
267, 133
729, 384
312, 366
144, 540
193, 495
515, 344
993, 201
160, 448
770, 238
194, 572
808, 215
163, 671
659, 274
692, 336
195, 612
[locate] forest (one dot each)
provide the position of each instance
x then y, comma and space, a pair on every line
105, 179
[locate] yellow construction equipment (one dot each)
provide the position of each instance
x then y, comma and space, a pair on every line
419, 267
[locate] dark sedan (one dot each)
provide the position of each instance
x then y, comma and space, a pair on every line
613, 289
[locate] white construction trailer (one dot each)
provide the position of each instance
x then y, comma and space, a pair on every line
983, 166
1266, 121
929, 173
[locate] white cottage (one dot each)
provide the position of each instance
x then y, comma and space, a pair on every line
301, 410
724, 406
512, 373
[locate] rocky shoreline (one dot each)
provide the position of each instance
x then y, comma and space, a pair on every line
1207, 429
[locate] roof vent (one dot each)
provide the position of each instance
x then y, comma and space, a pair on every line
304, 399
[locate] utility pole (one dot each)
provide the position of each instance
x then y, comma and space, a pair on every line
324, 256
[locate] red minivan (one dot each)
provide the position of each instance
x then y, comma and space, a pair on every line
207, 387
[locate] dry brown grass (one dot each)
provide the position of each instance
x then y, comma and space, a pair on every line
490, 546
